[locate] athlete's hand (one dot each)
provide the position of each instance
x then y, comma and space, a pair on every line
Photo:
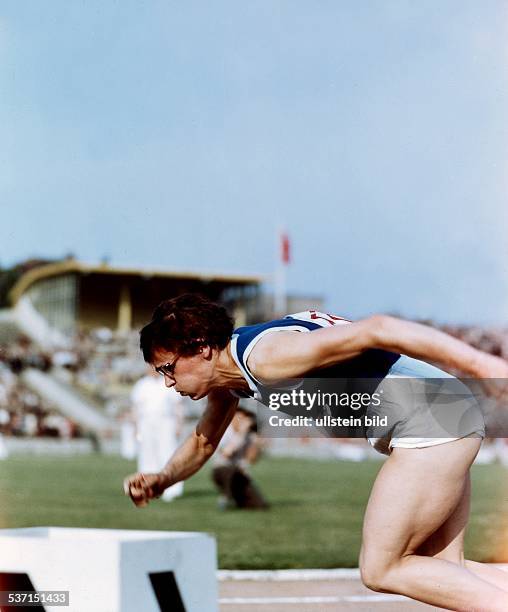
141, 488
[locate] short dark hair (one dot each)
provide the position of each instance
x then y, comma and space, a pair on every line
185, 323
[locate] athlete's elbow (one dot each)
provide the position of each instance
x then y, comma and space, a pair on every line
205, 447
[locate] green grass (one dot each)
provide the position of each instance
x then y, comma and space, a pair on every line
315, 519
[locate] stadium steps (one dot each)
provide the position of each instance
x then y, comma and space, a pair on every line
68, 402
62, 396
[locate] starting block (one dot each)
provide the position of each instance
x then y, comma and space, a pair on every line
109, 570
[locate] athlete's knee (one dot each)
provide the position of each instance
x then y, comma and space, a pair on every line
371, 578
376, 578
375, 571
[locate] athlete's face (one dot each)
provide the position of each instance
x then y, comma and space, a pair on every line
191, 376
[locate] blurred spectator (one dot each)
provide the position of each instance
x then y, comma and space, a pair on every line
159, 417
238, 450
128, 443
65, 359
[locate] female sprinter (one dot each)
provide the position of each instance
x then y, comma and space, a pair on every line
418, 509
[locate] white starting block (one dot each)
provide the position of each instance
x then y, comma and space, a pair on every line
111, 570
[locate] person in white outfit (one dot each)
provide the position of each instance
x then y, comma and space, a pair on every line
159, 414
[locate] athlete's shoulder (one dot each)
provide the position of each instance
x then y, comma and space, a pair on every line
247, 337
244, 338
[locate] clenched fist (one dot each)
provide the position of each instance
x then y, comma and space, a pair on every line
141, 488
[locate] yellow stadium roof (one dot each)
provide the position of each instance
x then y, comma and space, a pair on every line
73, 266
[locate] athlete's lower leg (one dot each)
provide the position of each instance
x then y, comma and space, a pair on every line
437, 582
489, 573
430, 518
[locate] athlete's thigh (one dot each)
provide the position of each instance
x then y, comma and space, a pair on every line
448, 541
414, 494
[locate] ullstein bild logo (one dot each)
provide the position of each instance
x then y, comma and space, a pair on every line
328, 421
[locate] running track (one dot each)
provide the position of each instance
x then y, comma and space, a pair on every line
306, 591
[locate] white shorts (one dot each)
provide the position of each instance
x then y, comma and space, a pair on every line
399, 435
384, 446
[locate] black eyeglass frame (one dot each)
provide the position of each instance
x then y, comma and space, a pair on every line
168, 369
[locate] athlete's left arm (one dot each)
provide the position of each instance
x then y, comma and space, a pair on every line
423, 342
291, 354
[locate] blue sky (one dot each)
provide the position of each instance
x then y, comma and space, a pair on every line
184, 134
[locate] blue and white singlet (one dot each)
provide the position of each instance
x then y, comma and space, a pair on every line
372, 363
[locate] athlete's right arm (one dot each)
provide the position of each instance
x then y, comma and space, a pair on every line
191, 455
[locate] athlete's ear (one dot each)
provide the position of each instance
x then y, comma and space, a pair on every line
205, 351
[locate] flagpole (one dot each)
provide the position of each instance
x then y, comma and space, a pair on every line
280, 301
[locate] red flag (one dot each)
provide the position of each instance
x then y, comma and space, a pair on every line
285, 249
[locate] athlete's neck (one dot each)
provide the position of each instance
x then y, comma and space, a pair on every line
227, 372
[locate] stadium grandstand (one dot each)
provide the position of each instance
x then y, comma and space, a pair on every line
69, 346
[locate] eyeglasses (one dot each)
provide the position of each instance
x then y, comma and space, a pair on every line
168, 369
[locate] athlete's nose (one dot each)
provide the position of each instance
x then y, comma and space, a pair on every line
168, 381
